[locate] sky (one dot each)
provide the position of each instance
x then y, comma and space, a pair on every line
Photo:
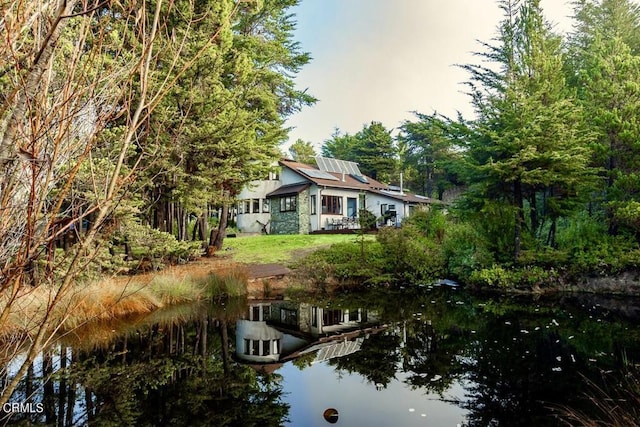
380, 60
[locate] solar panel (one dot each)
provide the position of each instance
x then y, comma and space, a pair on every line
363, 179
314, 173
327, 164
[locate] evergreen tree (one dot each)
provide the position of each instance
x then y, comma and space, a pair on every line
376, 152
303, 152
426, 152
528, 148
341, 146
607, 75
224, 123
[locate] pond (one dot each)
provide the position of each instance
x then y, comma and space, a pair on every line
411, 357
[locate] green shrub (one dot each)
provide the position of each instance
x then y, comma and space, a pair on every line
529, 277
151, 248
546, 257
409, 257
432, 223
348, 262
580, 232
367, 220
495, 224
465, 250
493, 277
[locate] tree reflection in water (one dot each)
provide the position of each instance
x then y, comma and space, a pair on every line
515, 360
172, 373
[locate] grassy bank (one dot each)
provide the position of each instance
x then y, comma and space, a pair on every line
284, 249
113, 298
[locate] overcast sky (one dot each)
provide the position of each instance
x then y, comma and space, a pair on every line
379, 60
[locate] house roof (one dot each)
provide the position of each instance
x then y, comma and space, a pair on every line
406, 197
337, 180
344, 181
286, 190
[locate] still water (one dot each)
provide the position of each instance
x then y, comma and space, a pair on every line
411, 357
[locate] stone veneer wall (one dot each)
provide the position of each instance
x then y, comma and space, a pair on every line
304, 212
291, 222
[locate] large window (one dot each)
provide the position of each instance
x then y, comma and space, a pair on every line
288, 204
256, 205
332, 205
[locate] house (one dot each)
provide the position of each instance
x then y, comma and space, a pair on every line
328, 196
272, 332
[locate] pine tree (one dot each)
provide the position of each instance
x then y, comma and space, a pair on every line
529, 142
426, 152
303, 152
607, 76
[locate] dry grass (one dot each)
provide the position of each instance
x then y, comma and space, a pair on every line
121, 297
616, 404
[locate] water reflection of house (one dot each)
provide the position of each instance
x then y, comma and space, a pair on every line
276, 331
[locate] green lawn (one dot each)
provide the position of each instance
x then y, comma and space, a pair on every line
281, 248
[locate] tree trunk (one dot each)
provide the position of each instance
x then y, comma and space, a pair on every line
202, 227
222, 227
517, 232
10, 133
224, 336
533, 214
551, 237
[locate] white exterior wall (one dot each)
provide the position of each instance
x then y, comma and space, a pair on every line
248, 222
374, 201
321, 221
287, 177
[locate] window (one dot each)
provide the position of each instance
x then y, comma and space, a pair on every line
313, 204
288, 204
247, 346
276, 346
314, 316
255, 347
288, 316
256, 205
332, 205
265, 205
247, 206
255, 315
266, 347
383, 209
240, 207
353, 315
352, 207
331, 317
